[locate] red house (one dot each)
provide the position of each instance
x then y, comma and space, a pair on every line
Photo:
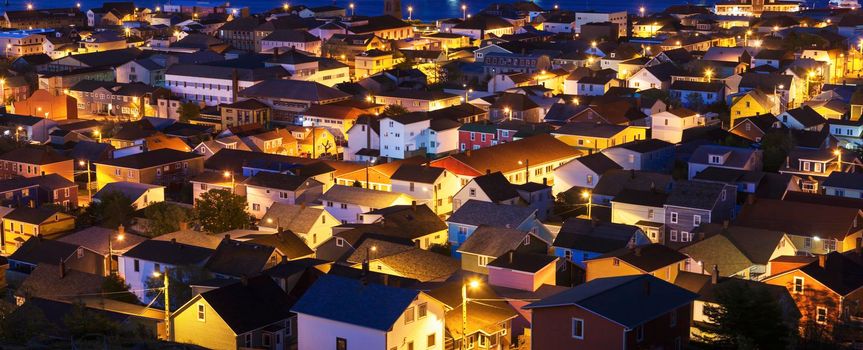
628, 312
476, 136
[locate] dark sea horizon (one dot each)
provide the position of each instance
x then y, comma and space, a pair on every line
426, 10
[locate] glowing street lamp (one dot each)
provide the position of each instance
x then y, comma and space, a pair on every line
463, 12
708, 74
352, 9
29, 6
472, 284
586, 195
641, 11
410, 12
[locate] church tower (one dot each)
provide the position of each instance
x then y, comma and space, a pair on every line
393, 8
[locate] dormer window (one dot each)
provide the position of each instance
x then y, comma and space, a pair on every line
715, 159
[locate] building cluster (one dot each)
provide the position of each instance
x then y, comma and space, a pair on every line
516, 178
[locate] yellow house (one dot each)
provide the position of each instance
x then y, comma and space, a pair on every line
210, 319
751, 103
655, 259
159, 167
372, 62
594, 137
23, 223
323, 140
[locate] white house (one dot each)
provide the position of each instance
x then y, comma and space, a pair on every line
582, 172
364, 142
726, 157
141, 194
432, 186
214, 85
137, 265
842, 184
620, 18
380, 317
492, 187
313, 224
415, 133
265, 188
669, 125
348, 203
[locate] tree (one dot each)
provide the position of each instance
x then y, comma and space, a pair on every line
776, 145
394, 110
112, 210
695, 102
188, 110
24, 324
116, 288
745, 316
81, 321
220, 210
164, 217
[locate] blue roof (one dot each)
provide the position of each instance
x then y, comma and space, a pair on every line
628, 300
350, 301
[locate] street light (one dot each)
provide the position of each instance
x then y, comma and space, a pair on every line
838, 153
507, 113
285, 7
120, 238
29, 6
472, 284
641, 11
352, 9
410, 12
98, 134
746, 38
230, 174
165, 289
463, 12
17, 130
586, 195
86, 164
708, 74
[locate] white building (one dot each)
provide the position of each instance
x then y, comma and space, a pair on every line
669, 125
432, 186
583, 172
215, 85
619, 18
363, 141
265, 188
348, 203
414, 134
137, 265
18, 43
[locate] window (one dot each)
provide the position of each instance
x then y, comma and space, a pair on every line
685, 236
807, 242
289, 327
202, 312
527, 240
589, 179
409, 315
472, 192
673, 236
673, 218
577, 328
422, 310
266, 339
821, 315
829, 245
137, 265
256, 207
431, 340
482, 261
696, 220
615, 262
342, 343
798, 285
715, 159
650, 214
340, 242
343, 206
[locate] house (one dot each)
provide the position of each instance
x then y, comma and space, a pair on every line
814, 166
337, 312
250, 111
755, 128
737, 251
582, 172
213, 84
28, 128
533, 157
697, 94
265, 188
373, 61
844, 185
348, 203
38, 251
474, 213
691, 203
19, 193
289, 98
594, 137
209, 148
582, 239
313, 225
491, 187
159, 167
487, 243
653, 259
614, 313
417, 100
803, 118
22, 224
613, 182
417, 133
416, 223
493, 319
643, 209
432, 186
725, 157
234, 259
596, 85
523, 271
419, 264
142, 195
824, 301
670, 125
138, 264
480, 27
212, 180
653, 76
376, 177
32, 162
291, 39
511, 106
254, 312
646, 155
288, 245
837, 230
751, 103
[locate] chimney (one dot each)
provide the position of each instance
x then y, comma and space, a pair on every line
487, 171
511, 253
228, 236
714, 275
184, 225
276, 53
173, 241
545, 181
244, 280
725, 224
235, 82
62, 269
121, 230
637, 251
822, 261
364, 277
414, 206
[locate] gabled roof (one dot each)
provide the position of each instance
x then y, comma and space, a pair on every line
422, 265
351, 301
590, 129
131, 190
496, 186
629, 300
844, 180
807, 116
169, 252
614, 181
492, 241
645, 146
34, 216
250, 304
699, 86
238, 259
287, 182
696, 194
647, 258
733, 249
362, 196
417, 173
598, 162
664, 71
476, 213
833, 222
523, 262
645, 198
504, 157
30, 155
39, 250
150, 159
737, 157
287, 242
294, 89
593, 236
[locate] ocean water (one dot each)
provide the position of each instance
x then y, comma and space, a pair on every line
427, 10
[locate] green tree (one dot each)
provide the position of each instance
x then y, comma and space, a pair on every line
164, 217
112, 210
220, 210
188, 110
24, 324
81, 321
393, 110
776, 145
117, 289
695, 102
745, 316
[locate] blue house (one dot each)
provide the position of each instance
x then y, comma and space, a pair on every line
474, 213
584, 239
